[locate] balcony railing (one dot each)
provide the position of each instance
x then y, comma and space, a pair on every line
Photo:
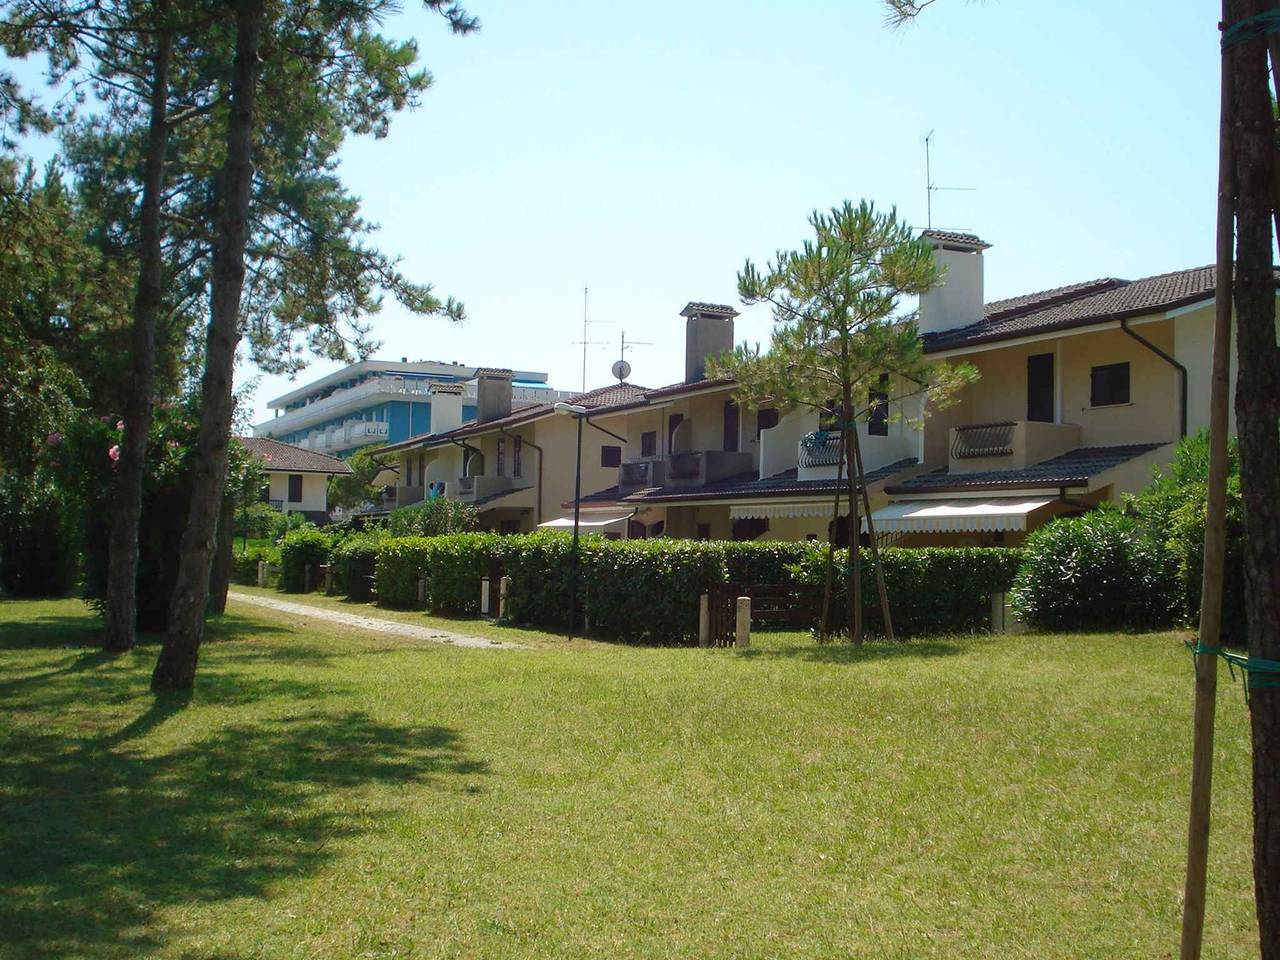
637, 474
706, 466
983, 440
820, 449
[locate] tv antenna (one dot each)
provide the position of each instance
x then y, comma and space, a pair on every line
585, 341
931, 188
621, 368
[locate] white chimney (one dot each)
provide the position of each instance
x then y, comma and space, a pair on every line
957, 301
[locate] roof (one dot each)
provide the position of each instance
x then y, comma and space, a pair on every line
690, 386
503, 372
611, 395
1071, 469
745, 486
286, 458
1078, 305
954, 236
697, 307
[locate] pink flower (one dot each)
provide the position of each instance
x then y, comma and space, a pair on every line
267, 458
119, 424
114, 453
53, 439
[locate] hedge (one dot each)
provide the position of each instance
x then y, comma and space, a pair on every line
298, 549
454, 563
353, 563
244, 565
1100, 571
932, 590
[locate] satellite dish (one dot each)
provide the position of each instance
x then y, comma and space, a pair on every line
621, 369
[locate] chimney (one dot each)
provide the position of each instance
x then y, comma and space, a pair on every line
708, 333
446, 406
493, 393
957, 301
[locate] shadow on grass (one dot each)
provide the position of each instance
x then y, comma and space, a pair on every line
845, 652
101, 838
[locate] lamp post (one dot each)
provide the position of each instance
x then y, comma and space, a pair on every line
580, 413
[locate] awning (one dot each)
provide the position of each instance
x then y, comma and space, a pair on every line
594, 520
773, 511
956, 516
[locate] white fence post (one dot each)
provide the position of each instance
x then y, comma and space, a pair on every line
262, 573
484, 596
742, 629
704, 620
422, 589
504, 585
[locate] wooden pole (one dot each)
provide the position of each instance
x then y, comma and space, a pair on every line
1210, 635
875, 547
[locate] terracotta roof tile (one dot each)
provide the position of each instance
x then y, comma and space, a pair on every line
611, 395
694, 307
954, 236
286, 458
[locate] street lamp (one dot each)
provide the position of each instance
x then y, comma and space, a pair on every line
580, 413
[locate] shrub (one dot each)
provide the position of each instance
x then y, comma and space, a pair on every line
1173, 510
432, 518
298, 550
1101, 571
353, 561
256, 521
281, 524
454, 565
763, 562
37, 538
244, 565
932, 590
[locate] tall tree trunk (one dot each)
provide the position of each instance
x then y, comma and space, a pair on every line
847, 429
1258, 426
121, 613
871, 536
176, 667
220, 575
824, 626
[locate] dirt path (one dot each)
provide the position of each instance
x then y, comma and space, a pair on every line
375, 624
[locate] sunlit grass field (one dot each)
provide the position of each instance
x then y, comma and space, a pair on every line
336, 793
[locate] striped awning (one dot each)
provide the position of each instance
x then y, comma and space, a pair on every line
776, 510
588, 520
957, 516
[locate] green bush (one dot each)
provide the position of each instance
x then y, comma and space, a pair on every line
1173, 510
257, 520
454, 565
433, 518
298, 549
37, 538
769, 561
353, 561
932, 590
244, 564
1101, 571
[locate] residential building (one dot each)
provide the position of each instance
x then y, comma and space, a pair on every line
380, 401
297, 480
1083, 391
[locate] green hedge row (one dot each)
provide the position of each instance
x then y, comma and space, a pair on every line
931, 590
647, 591
298, 550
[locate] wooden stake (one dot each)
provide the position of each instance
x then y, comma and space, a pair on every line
875, 547
1214, 545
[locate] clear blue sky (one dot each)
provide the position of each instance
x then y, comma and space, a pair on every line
644, 150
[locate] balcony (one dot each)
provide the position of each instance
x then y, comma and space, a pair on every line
353, 433
638, 474
1008, 444
406, 496
706, 466
471, 489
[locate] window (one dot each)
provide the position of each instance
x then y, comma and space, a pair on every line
730, 427
649, 443
610, 456
1109, 384
1040, 387
878, 402
295, 488
517, 457
766, 419
704, 531
501, 457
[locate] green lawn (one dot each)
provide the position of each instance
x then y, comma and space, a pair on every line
328, 795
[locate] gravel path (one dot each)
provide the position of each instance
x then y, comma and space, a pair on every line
375, 624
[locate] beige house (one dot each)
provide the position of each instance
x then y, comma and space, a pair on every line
297, 480
1084, 390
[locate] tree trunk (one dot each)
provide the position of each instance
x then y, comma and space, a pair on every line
121, 614
855, 540
875, 547
824, 626
176, 667
1257, 415
220, 575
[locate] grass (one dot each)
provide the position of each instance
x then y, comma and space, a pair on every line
344, 794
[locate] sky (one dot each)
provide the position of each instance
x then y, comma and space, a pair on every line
644, 151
